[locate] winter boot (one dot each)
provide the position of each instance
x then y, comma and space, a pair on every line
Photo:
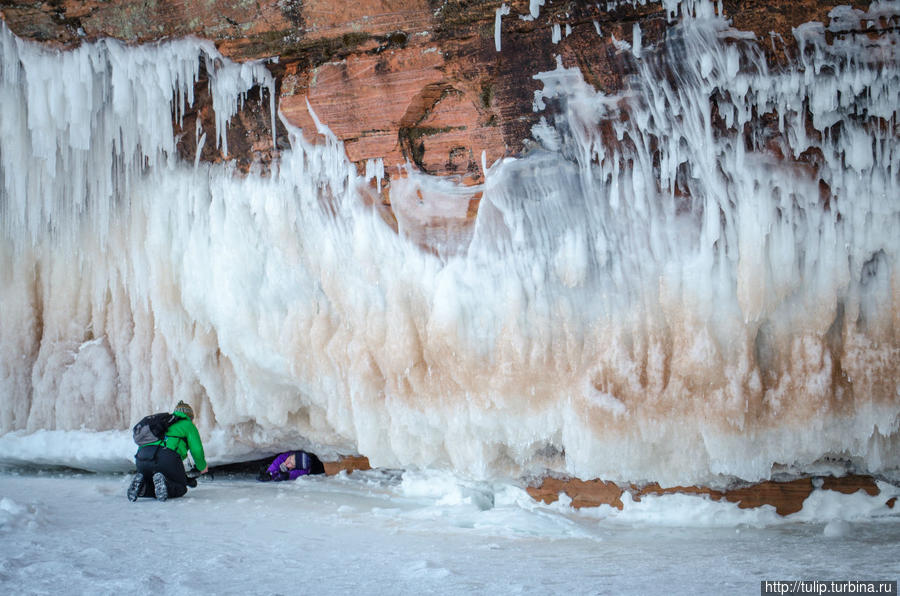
159, 485
136, 488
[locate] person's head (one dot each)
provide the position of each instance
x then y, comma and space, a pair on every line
185, 409
291, 462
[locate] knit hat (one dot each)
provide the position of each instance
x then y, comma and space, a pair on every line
185, 409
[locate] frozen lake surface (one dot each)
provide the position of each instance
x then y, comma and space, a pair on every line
387, 532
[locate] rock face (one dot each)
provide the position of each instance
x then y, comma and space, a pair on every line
436, 86
442, 87
417, 82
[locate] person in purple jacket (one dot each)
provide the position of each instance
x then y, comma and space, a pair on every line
290, 465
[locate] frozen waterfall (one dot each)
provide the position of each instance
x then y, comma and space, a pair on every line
663, 288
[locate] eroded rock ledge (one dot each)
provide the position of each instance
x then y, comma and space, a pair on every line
786, 496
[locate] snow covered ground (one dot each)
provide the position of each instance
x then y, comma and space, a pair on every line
423, 532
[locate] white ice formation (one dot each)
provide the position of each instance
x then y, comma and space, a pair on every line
666, 289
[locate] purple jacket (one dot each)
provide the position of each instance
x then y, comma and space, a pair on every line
277, 472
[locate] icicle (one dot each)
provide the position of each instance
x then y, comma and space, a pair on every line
375, 169
636, 40
229, 83
503, 10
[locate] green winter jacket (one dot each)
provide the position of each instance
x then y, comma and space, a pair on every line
181, 436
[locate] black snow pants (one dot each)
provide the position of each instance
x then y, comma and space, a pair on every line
150, 459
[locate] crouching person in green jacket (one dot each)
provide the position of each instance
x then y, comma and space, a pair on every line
160, 471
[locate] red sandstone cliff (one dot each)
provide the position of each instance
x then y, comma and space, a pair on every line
408, 81
412, 81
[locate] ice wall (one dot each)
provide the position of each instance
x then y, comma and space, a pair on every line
694, 280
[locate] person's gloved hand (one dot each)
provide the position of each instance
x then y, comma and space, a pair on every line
192, 482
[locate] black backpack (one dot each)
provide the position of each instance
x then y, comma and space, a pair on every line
152, 428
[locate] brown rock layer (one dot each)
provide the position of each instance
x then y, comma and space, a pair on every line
591, 493
348, 463
786, 497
